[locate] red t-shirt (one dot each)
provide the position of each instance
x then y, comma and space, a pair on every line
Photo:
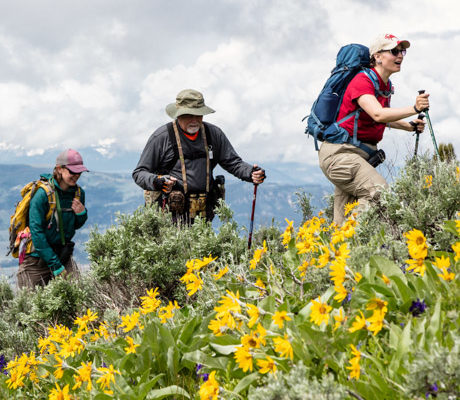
369, 131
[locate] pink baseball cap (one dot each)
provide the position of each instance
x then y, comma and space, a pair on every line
386, 41
72, 160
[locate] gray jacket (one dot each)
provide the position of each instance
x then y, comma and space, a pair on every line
158, 154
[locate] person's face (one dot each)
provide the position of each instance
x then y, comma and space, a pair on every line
391, 60
68, 177
190, 123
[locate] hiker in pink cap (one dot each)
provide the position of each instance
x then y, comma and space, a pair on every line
51, 253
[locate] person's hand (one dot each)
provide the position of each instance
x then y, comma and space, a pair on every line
77, 206
168, 184
164, 183
421, 102
59, 271
257, 175
417, 125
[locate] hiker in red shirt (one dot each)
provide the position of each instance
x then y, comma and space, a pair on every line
344, 164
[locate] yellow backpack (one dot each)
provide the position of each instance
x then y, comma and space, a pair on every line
20, 237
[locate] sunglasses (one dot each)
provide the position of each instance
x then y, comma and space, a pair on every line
71, 172
396, 51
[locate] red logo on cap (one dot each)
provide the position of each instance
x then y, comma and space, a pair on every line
391, 37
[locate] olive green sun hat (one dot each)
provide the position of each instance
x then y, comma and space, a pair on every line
190, 102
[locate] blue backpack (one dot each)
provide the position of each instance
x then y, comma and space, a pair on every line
322, 122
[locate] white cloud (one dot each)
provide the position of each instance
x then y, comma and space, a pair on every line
97, 76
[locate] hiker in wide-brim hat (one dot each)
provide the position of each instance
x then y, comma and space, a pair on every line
347, 166
190, 102
176, 165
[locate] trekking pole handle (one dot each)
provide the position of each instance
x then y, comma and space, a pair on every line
421, 91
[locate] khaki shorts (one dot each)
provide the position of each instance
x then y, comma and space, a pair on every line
354, 178
33, 271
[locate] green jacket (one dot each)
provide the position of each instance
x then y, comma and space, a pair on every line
44, 233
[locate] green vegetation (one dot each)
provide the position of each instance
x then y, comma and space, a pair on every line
363, 311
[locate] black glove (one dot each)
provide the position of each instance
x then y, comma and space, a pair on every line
158, 182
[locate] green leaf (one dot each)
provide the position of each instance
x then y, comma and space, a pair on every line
405, 292
387, 267
224, 350
245, 382
168, 391
188, 330
198, 357
450, 226
434, 328
146, 387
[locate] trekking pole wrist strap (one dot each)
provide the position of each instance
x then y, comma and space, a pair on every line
417, 111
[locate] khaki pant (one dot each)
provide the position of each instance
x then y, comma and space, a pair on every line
33, 271
354, 178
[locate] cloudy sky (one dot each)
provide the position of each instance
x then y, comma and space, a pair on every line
98, 74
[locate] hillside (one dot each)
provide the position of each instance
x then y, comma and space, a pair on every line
110, 193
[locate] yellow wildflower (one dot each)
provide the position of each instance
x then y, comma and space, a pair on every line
360, 323
108, 375
385, 279
417, 266
253, 313
195, 283
60, 367
341, 292
377, 304
131, 348
337, 273
130, 321
267, 365
446, 275
442, 262
150, 302
250, 340
87, 318
218, 326
416, 244
354, 367
287, 234
244, 358
376, 321
279, 317
456, 249
209, 390
428, 181
229, 303
303, 268
358, 277
258, 253
319, 312
324, 258
261, 286
202, 263
60, 394
339, 318
167, 312
221, 273
350, 206
283, 347
84, 375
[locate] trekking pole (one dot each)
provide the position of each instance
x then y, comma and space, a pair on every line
251, 227
430, 127
417, 133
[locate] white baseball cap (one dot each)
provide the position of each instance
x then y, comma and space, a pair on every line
386, 41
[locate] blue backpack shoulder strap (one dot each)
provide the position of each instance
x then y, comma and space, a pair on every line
375, 81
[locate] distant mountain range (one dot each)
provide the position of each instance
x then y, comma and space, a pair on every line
108, 193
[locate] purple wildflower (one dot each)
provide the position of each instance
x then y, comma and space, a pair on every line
3, 364
432, 390
417, 307
205, 377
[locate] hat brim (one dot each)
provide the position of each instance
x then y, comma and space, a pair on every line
404, 43
77, 169
173, 111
